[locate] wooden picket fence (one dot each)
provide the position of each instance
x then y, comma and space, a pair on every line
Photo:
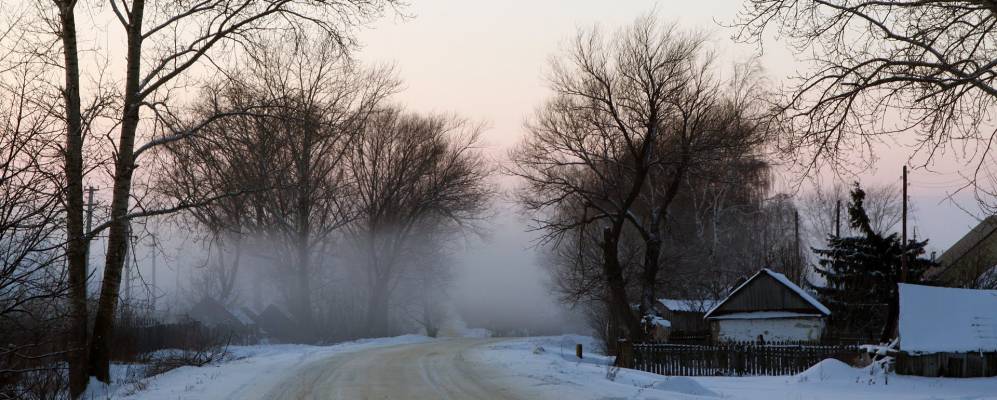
729, 359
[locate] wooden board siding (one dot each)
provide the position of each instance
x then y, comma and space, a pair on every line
953, 365
765, 293
970, 256
686, 322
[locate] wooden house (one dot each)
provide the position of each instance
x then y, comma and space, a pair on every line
209, 312
686, 317
276, 325
767, 307
947, 332
970, 257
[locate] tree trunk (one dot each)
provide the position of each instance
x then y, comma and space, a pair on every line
891, 319
618, 303
76, 246
377, 309
100, 345
649, 276
304, 298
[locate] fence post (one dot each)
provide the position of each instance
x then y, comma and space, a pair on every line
625, 354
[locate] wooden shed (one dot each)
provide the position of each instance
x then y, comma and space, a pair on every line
686, 316
767, 307
947, 332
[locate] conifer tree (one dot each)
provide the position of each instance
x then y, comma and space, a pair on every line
861, 274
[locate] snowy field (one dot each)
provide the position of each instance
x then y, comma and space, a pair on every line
546, 368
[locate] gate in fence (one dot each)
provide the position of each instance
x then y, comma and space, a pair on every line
729, 359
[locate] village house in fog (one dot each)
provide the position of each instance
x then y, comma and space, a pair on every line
767, 307
947, 332
971, 258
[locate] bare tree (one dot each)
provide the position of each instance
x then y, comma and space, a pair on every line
633, 121
408, 171
590, 149
163, 42
824, 217
428, 279
927, 66
302, 108
32, 280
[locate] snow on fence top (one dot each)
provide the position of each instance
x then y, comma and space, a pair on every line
936, 320
782, 279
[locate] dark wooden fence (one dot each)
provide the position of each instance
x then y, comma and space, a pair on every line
137, 336
729, 359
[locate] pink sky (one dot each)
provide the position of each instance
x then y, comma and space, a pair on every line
486, 60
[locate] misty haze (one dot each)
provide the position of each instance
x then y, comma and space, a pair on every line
445, 199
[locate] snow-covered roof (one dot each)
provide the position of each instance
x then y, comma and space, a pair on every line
688, 305
935, 319
767, 315
244, 316
782, 279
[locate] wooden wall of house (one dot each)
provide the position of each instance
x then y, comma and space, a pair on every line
687, 322
954, 365
765, 293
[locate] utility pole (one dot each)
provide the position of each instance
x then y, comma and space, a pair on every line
90, 191
903, 247
152, 291
797, 259
128, 269
837, 219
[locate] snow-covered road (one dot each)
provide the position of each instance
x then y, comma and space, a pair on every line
417, 367
435, 370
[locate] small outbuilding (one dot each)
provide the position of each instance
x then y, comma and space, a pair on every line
767, 307
947, 332
211, 313
686, 316
276, 325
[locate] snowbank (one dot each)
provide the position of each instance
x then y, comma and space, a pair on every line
249, 367
555, 373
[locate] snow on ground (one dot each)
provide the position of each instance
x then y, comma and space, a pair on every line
247, 366
547, 367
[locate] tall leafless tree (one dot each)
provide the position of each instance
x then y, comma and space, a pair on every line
163, 42
590, 149
32, 273
410, 172
302, 108
633, 119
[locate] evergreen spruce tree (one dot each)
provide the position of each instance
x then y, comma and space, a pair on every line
861, 273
